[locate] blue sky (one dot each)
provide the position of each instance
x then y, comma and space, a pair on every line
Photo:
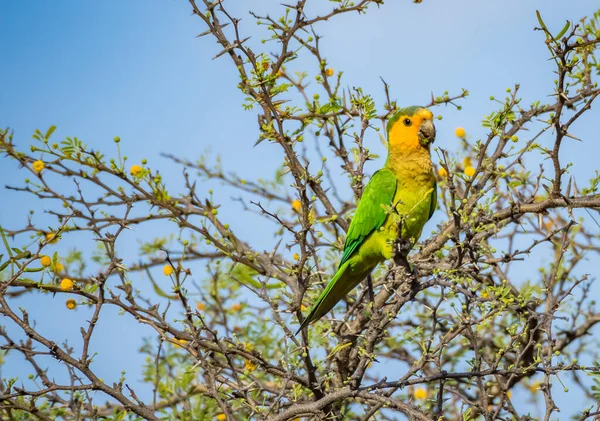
97, 69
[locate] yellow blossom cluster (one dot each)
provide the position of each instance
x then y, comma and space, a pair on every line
420, 393
534, 386
51, 237
469, 169
45, 261
135, 170
71, 304
297, 205
179, 343
66, 284
38, 166
250, 366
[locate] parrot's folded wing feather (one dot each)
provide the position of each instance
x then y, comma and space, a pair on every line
369, 216
370, 213
434, 200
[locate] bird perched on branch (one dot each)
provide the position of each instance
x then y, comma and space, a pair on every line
395, 205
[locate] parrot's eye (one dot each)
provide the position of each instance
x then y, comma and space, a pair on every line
407, 122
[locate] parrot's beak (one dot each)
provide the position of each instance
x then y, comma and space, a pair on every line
426, 132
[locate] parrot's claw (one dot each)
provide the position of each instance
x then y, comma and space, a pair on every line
403, 247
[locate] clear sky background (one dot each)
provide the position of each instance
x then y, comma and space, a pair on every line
134, 68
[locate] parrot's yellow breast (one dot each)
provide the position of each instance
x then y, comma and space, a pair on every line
413, 200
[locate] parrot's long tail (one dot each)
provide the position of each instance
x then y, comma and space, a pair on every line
344, 280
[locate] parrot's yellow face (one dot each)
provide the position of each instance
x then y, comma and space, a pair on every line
411, 129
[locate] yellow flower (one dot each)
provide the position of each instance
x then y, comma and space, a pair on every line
509, 394
467, 162
442, 172
469, 171
221, 417
279, 73
460, 132
420, 393
168, 270
38, 166
71, 304
296, 256
297, 205
59, 267
236, 307
250, 366
45, 261
485, 294
329, 72
51, 237
534, 387
302, 307
200, 306
135, 170
179, 343
66, 284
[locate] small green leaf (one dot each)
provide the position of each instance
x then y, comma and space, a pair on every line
563, 31
539, 18
49, 132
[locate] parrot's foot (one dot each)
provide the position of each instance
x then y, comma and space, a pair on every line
403, 247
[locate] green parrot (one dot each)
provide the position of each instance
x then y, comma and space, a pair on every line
407, 181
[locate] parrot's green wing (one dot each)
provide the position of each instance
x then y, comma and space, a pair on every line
370, 213
433, 205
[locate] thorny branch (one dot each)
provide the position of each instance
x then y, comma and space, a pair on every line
461, 331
